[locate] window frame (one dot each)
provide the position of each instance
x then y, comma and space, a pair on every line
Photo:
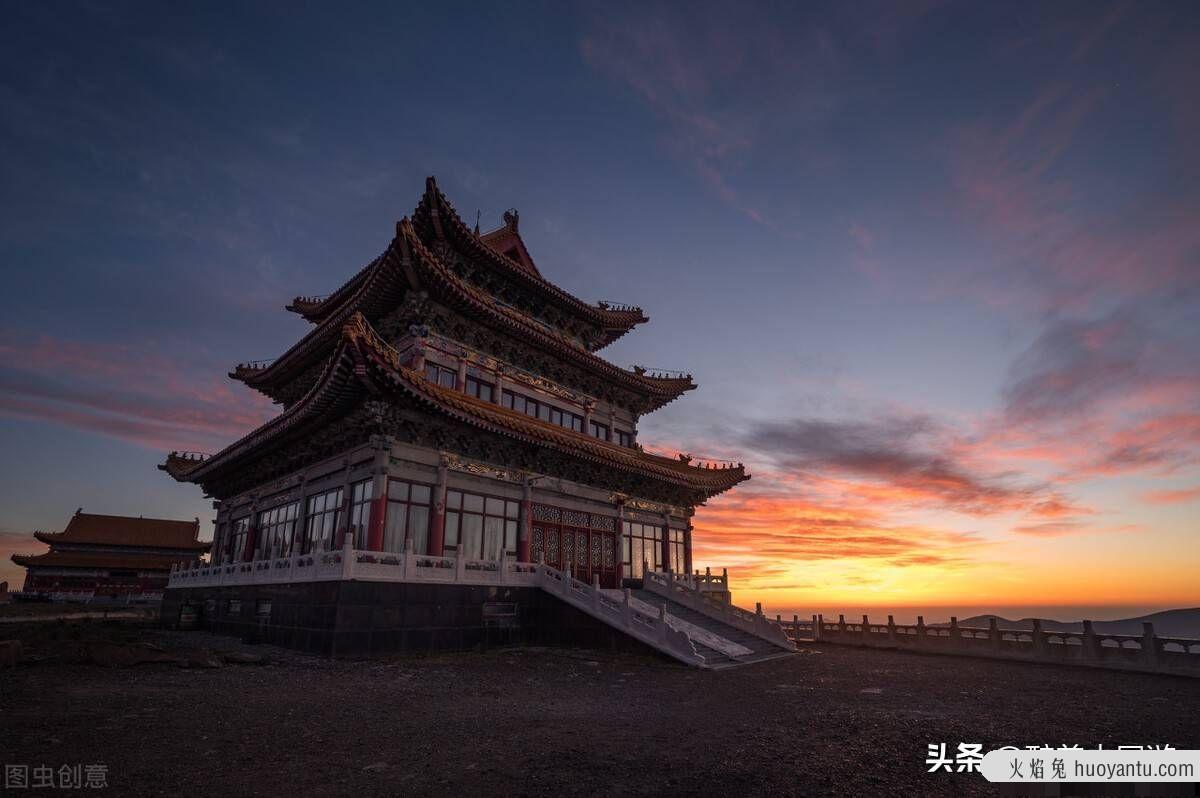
280, 520
641, 532
476, 387
311, 516
239, 529
358, 511
457, 507
407, 504
540, 409
440, 374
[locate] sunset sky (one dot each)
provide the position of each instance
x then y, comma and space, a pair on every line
935, 266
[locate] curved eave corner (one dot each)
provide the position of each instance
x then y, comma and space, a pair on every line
306, 307
180, 465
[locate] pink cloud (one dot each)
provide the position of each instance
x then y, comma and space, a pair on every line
128, 392
1181, 496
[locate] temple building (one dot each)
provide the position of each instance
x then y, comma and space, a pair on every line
110, 557
447, 422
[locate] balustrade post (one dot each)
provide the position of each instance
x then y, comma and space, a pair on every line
1091, 649
1039, 641
662, 622
1149, 645
921, 631
503, 566
410, 561
954, 634
818, 619
841, 626
348, 557
891, 627
994, 637
596, 592
627, 607
460, 563
866, 631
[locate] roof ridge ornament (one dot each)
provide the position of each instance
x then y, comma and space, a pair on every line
512, 219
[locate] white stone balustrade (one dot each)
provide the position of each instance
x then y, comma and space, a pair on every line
656, 630
1148, 651
683, 590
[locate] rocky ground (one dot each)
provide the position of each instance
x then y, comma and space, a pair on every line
183, 713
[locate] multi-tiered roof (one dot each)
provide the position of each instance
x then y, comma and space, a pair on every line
487, 282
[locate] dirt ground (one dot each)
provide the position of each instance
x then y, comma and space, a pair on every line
213, 716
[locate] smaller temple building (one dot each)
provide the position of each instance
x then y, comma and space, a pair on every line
110, 557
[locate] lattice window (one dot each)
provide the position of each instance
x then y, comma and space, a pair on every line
536, 544
596, 550
542, 512
575, 518
551, 547
581, 548
605, 522
568, 549
608, 552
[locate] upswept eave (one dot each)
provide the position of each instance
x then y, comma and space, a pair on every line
406, 260
436, 219
364, 364
438, 216
316, 309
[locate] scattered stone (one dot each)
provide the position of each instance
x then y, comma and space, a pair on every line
871, 691
244, 658
375, 767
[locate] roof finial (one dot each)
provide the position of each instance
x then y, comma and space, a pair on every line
80, 510
476, 221
511, 218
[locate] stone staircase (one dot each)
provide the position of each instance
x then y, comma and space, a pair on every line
759, 649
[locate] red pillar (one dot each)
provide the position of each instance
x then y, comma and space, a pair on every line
525, 524
666, 542
251, 539
437, 524
687, 549
375, 528
619, 542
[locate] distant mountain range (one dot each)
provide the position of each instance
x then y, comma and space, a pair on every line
1169, 623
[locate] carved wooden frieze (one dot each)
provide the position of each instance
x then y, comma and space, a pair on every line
456, 463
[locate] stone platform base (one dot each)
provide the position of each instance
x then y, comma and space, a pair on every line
361, 618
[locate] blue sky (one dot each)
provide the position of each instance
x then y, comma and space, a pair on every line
934, 265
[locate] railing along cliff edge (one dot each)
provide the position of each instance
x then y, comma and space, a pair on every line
1147, 652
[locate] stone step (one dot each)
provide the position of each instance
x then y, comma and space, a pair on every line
762, 650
